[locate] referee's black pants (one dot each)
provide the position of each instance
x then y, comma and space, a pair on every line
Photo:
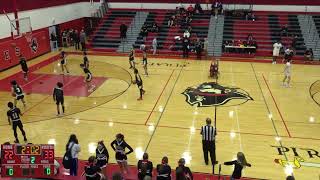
209, 147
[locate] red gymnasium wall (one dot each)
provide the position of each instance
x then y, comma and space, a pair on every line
11, 49
23, 5
257, 2
76, 24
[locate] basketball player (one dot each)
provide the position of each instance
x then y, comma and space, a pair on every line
214, 69
17, 92
131, 59
276, 51
145, 63
14, 114
63, 62
24, 67
139, 83
287, 74
288, 54
119, 146
88, 78
85, 60
58, 97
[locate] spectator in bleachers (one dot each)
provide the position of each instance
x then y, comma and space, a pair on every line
308, 54
183, 172
186, 34
181, 8
250, 16
239, 164
284, 30
295, 41
164, 170
123, 31
249, 38
198, 8
171, 21
144, 31
74, 147
102, 156
154, 45
190, 10
214, 8
154, 27
145, 167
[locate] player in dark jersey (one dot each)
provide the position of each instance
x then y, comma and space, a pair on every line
88, 78
119, 146
17, 92
14, 114
85, 60
63, 62
131, 59
24, 67
145, 63
139, 83
214, 69
58, 97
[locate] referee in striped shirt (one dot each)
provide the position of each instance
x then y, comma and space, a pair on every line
209, 133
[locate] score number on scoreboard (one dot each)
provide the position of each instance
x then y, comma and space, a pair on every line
33, 161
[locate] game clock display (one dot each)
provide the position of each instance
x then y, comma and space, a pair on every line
30, 161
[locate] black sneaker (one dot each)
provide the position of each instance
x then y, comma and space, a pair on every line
16, 141
25, 139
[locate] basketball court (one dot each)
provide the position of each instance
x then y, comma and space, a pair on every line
271, 124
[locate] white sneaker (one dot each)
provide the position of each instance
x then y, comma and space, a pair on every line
274, 62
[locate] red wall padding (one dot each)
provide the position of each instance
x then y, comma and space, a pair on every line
262, 2
24, 5
9, 55
76, 24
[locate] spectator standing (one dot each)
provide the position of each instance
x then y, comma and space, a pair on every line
284, 30
190, 10
183, 172
198, 8
276, 51
83, 40
198, 47
209, 133
164, 170
186, 34
185, 47
76, 40
154, 45
74, 147
102, 156
239, 164
205, 47
145, 167
54, 41
295, 41
123, 31
119, 146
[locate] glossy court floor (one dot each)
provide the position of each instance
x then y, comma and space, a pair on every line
277, 125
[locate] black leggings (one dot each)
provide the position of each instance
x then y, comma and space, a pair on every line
20, 126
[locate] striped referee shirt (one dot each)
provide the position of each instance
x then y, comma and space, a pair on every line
208, 133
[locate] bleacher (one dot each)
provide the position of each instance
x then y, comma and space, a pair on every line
107, 34
316, 19
266, 30
167, 45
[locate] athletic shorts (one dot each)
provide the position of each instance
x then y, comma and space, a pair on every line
19, 97
60, 101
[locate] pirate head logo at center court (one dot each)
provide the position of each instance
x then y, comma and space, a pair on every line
212, 94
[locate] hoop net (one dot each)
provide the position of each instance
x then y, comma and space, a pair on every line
20, 27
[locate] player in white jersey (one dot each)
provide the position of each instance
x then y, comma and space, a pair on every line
276, 51
287, 74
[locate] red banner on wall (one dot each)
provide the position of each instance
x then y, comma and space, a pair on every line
11, 50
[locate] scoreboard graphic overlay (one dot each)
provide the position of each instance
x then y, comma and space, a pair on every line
30, 161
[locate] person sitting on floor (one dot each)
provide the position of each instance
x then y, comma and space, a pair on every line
308, 55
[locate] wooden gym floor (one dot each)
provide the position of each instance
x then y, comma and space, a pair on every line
277, 125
